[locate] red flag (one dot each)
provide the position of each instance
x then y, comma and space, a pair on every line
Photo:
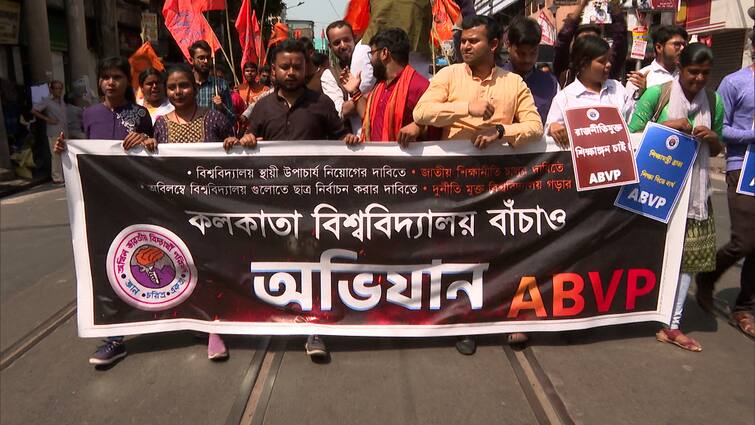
250, 36
187, 25
204, 5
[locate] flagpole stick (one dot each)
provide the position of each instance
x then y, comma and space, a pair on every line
230, 43
262, 28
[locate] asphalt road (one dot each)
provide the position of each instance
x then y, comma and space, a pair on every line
611, 375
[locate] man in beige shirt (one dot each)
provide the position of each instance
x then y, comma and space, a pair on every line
476, 100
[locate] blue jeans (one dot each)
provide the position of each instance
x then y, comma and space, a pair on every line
681, 296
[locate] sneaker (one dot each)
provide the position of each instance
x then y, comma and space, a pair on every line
108, 353
315, 346
466, 345
216, 348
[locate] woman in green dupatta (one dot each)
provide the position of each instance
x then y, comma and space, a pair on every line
686, 105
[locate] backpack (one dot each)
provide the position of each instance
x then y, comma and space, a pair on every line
666, 96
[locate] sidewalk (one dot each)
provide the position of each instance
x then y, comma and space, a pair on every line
17, 185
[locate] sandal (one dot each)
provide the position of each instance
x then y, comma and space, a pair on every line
744, 321
517, 338
678, 338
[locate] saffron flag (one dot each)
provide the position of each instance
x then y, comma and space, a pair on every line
445, 14
358, 15
280, 33
143, 58
250, 36
187, 25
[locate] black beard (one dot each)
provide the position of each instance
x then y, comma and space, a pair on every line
378, 71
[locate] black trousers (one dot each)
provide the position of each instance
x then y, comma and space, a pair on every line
740, 245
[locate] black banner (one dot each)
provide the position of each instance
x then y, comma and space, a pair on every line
318, 238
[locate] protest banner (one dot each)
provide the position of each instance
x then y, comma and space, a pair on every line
315, 237
601, 147
746, 184
664, 161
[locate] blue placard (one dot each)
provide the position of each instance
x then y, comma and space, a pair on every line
746, 184
664, 161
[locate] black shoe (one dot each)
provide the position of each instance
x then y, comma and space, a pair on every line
108, 353
466, 345
315, 347
704, 294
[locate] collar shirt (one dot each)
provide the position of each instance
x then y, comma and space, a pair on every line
312, 117
656, 75
55, 109
206, 91
446, 104
576, 95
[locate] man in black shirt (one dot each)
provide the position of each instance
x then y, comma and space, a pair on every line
293, 112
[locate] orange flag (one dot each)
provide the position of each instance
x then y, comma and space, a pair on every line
250, 36
143, 58
280, 33
358, 15
187, 25
445, 14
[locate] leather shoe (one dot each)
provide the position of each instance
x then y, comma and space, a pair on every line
745, 321
466, 345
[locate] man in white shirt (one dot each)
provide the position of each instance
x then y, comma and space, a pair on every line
52, 110
668, 43
351, 58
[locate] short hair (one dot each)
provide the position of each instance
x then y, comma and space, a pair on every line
665, 33
250, 64
587, 28
586, 49
150, 71
524, 31
319, 59
265, 68
181, 68
199, 44
289, 46
338, 24
120, 64
306, 42
493, 30
695, 54
51, 83
396, 41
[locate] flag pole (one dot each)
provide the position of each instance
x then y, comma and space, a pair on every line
230, 43
262, 28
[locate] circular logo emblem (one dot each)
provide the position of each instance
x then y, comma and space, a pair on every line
672, 142
150, 268
593, 114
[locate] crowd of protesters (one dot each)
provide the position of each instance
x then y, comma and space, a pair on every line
376, 90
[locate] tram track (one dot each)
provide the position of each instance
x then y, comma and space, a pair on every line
36, 335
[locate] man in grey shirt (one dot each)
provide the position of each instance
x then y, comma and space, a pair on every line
52, 110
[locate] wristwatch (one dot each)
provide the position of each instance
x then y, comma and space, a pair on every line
501, 131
